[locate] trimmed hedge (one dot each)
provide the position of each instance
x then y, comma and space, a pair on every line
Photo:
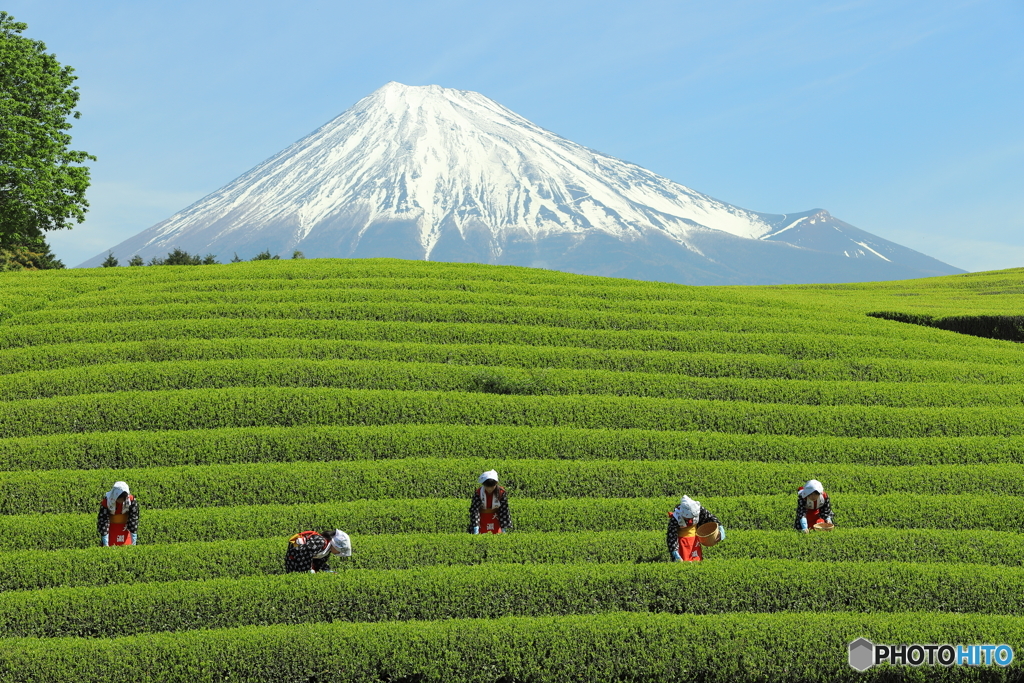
447, 515
833, 344
202, 452
256, 484
703, 364
35, 569
499, 590
402, 376
448, 294
386, 442
721, 648
283, 407
699, 317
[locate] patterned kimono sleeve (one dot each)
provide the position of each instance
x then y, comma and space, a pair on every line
801, 510
474, 511
300, 558
321, 564
826, 508
303, 559
133, 517
504, 514
316, 545
704, 517
103, 520
672, 535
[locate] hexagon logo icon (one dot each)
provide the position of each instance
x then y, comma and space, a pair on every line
862, 654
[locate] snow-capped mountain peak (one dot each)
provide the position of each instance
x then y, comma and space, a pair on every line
436, 173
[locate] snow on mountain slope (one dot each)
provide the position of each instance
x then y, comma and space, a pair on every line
436, 173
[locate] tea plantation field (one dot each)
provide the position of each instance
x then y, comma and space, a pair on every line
246, 402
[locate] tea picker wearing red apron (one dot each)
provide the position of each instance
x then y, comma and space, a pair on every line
488, 508
812, 506
309, 551
681, 536
118, 521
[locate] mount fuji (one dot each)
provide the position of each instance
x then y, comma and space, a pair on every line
449, 175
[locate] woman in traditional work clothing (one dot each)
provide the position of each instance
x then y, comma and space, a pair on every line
118, 521
681, 537
812, 506
310, 551
488, 509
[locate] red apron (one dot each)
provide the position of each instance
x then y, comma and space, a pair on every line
813, 517
118, 533
690, 549
489, 522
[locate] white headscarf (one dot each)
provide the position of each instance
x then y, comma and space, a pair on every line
339, 541
813, 486
113, 494
687, 509
489, 474
342, 543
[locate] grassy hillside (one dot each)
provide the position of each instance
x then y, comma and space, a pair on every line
246, 402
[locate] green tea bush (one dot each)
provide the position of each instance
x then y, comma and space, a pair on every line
738, 365
314, 443
196, 560
724, 648
255, 484
249, 401
802, 345
405, 376
283, 407
447, 515
498, 590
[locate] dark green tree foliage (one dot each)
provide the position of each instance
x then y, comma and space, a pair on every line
179, 257
35, 255
42, 184
136, 261
110, 261
264, 256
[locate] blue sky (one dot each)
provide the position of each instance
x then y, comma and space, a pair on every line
904, 118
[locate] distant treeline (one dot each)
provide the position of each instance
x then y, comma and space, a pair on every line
179, 257
1005, 327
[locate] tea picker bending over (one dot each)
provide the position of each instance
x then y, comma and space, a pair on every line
309, 551
812, 506
488, 508
118, 519
681, 537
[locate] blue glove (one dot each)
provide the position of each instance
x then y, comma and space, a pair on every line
722, 529
135, 539
675, 556
476, 530
105, 540
803, 523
